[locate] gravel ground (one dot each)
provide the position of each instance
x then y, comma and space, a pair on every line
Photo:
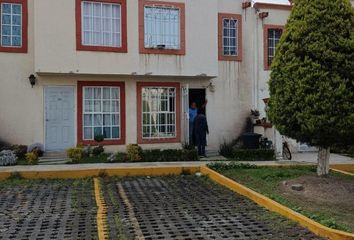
188, 207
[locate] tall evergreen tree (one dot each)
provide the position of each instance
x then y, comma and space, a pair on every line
312, 78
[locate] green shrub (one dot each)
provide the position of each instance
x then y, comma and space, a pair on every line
117, 157
220, 166
38, 151
188, 146
31, 158
226, 150
96, 151
134, 153
253, 154
20, 151
75, 154
190, 155
170, 155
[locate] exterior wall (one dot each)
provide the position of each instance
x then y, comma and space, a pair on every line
238, 86
55, 47
19, 113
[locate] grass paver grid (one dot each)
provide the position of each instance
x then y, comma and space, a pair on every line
188, 208
48, 209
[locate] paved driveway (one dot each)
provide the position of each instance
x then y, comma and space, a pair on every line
188, 207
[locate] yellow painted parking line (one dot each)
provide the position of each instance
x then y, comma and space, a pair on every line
268, 203
101, 211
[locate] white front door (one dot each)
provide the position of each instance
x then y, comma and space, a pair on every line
59, 118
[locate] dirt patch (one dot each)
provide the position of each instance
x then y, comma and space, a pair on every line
330, 190
331, 196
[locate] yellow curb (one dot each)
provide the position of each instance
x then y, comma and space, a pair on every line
343, 168
343, 172
73, 174
261, 200
101, 211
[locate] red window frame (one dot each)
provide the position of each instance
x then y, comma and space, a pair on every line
222, 57
139, 87
81, 47
142, 49
266, 43
24, 46
80, 86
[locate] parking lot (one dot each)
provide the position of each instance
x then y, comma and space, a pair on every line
183, 207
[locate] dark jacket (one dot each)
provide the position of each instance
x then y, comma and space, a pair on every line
201, 130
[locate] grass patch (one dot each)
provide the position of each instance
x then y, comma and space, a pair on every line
267, 181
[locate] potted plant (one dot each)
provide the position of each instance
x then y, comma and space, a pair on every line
254, 116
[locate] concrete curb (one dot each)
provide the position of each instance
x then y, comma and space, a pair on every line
261, 200
347, 169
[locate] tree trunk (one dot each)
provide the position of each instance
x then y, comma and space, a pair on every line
323, 162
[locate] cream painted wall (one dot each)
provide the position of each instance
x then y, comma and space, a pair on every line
55, 47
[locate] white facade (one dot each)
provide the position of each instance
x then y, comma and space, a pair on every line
231, 87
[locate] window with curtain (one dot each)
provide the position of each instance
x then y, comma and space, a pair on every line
101, 112
273, 39
11, 25
158, 112
161, 27
101, 24
229, 37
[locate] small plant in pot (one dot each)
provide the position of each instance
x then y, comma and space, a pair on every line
96, 151
254, 115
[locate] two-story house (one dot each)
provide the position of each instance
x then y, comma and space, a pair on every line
128, 69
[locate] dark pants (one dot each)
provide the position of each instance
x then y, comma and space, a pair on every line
201, 150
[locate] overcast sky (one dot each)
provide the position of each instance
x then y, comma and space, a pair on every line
273, 1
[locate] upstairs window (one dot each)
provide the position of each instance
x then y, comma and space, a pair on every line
161, 27
230, 37
13, 26
102, 25
272, 35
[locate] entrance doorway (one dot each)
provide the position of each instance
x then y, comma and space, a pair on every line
197, 95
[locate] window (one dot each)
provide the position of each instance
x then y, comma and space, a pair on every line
13, 26
159, 110
101, 111
230, 37
102, 25
161, 27
272, 36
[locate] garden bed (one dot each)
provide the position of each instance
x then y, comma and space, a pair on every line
329, 201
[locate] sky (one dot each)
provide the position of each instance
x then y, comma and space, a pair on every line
273, 1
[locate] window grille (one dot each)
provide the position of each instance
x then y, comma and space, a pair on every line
101, 24
273, 39
158, 112
162, 27
11, 25
230, 36
101, 112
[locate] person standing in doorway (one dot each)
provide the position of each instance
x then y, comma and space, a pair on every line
201, 130
193, 112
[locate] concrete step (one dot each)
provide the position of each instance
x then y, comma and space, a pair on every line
54, 155
54, 162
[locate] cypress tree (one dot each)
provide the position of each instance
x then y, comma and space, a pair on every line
312, 78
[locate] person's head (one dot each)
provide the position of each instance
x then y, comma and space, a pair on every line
194, 105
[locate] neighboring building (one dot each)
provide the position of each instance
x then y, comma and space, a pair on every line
130, 68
